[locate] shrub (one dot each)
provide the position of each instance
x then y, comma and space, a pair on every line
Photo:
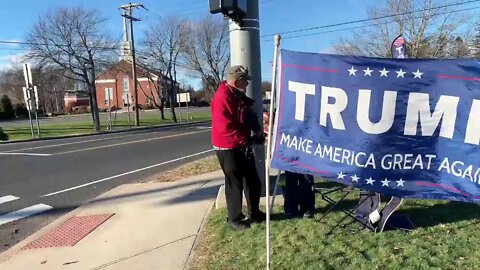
20, 111
6, 108
3, 135
80, 109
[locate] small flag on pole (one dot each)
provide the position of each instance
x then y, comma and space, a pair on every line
399, 47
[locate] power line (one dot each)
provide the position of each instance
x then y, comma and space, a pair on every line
116, 47
184, 4
190, 13
196, 10
13, 49
361, 26
177, 63
370, 19
186, 9
57, 45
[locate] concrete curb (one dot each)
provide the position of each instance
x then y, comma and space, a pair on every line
191, 256
220, 201
106, 132
18, 247
12, 251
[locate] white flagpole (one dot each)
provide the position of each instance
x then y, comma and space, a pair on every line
269, 147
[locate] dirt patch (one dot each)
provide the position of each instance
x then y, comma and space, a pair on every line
204, 165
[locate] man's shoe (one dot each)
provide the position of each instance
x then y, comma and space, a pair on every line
239, 225
258, 217
308, 214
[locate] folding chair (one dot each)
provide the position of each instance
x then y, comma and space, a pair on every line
356, 213
366, 212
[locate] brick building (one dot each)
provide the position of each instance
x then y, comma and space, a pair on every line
74, 98
114, 87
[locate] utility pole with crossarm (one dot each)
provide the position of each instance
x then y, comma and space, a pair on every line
127, 13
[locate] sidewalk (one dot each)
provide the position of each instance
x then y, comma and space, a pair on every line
154, 226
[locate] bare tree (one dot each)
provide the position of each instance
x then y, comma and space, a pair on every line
266, 87
11, 83
475, 43
51, 86
158, 93
460, 48
209, 86
428, 28
72, 40
207, 52
164, 42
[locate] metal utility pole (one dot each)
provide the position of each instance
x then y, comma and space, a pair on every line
28, 103
35, 93
30, 93
128, 14
245, 50
128, 109
56, 99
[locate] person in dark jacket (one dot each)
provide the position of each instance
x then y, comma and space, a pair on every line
231, 128
299, 195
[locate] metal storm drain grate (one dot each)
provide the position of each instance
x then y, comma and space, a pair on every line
70, 232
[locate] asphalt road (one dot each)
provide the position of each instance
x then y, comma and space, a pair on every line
45, 179
103, 117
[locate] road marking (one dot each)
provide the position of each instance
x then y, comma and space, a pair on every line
125, 173
131, 142
8, 198
138, 133
24, 154
23, 213
202, 127
87, 141
63, 144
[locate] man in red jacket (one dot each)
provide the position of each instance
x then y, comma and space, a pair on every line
232, 123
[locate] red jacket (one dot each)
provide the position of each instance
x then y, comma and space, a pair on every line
229, 129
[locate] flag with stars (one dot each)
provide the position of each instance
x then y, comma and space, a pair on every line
401, 127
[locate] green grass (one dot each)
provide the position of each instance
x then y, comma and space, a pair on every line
446, 238
86, 127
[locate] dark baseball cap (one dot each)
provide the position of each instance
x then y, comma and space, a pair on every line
237, 72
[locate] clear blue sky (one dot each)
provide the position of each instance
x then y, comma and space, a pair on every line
17, 17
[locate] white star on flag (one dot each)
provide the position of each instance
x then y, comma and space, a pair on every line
384, 72
400, 182
417, 74
368, 72
341, 175
352, 71
400, 73
355, 178
370, 181
385, 182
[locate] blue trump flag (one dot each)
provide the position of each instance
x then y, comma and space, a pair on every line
401, 127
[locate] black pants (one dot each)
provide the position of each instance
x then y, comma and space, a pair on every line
239, 169
299, 192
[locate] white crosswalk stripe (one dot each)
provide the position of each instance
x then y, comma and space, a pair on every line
22, 213
7, 198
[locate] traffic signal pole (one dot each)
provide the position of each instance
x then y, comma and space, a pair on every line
245, 50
